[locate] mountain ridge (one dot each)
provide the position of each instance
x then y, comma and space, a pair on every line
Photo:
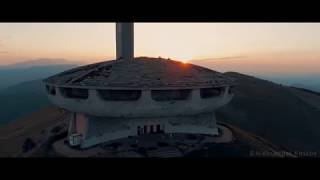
10, 77
39, 62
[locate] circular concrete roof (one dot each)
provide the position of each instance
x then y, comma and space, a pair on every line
140, 73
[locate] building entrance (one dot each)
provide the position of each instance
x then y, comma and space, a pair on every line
150, 129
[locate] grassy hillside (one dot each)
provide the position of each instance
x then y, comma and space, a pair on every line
21, 89
273, 111
22, 99
13, 135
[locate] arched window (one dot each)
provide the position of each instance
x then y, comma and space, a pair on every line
139, 130
120, 95
169, 95
211, 92
75, 93
231, 89
51, 90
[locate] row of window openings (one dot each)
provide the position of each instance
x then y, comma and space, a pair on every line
151, 129
133, 95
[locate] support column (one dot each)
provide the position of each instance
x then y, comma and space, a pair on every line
72, 124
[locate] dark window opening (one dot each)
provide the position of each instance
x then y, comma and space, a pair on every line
210, 92
158, 128
230, 91
168, 95
51, 90
139, 130
120, 95
163, 144
75, 93
145, 130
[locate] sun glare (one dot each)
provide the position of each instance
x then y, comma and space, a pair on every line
185, 61
184, 58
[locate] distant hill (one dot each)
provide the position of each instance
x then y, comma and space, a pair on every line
10, 77
21, 89
287, 116
313, 87
39, 62
307, 80
22, 99
308, 91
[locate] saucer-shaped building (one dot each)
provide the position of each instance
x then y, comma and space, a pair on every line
137, 96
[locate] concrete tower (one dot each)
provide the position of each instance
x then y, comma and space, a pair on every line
125, 41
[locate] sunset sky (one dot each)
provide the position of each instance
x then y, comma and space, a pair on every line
269, 47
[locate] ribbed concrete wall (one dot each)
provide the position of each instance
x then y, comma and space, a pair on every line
144, 107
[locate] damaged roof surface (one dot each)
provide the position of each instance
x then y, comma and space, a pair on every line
142, 72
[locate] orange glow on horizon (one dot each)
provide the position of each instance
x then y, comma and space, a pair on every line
267, 47
185, 61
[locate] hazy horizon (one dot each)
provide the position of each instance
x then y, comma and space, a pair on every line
252, 48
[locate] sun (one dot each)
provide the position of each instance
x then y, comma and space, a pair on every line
184, 58
185, 61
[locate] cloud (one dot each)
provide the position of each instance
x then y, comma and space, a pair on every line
1, 45
221, 58
227, 57
3, 52
230, 57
